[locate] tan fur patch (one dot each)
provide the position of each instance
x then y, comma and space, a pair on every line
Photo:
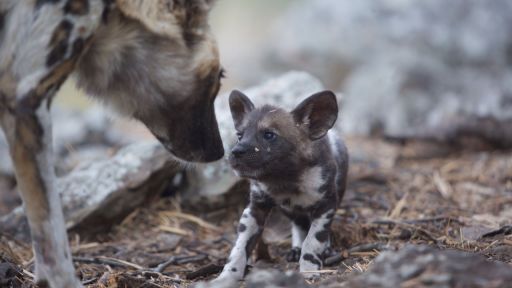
56, 76
78, 7
156, 15
27, 143
59, 35
8, 86
207, 58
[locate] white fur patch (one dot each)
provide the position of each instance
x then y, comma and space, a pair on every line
310, 182
333, 142
298, 235
311, 244
235, 268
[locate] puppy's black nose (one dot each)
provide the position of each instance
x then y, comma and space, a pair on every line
239, 150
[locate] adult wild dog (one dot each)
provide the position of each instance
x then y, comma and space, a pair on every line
153, 60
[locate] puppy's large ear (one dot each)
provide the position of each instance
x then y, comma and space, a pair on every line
317, 114
240, 106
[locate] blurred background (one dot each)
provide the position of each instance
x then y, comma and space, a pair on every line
434, 65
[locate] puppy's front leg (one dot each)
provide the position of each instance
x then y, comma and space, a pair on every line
317, 241
249, 231
28, 130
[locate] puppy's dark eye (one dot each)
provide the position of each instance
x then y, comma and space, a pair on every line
269, 136
222, 73
239, 135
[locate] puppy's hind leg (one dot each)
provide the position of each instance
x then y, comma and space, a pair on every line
317, 241
300, 227
28, 130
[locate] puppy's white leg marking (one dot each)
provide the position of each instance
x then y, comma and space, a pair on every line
248, 230
316, 242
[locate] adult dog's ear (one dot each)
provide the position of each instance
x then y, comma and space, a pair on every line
317, 114
240, 106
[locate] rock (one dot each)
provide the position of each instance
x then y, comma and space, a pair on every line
424, 266
98, 194
208, 182
275, 279
442, 71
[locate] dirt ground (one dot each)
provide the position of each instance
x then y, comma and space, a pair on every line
397, 194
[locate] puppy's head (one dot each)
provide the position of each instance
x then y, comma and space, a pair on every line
273, 143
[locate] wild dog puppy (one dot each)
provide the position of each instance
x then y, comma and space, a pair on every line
293, 163
152, 60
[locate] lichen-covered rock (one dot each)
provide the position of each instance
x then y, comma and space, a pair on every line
408, 68
275, 279
210, 181
424, 266
97, 194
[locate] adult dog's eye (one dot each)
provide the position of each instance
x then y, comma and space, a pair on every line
269, 136
239, 135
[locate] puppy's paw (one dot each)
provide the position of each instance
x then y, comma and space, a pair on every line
225, 282
310, 275
293, 255
310, 263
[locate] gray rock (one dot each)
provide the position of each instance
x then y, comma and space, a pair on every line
275, 279
408, 68
424, 266
98, 194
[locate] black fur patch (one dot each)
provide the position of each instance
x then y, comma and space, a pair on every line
322, 236
251, 243
330, 215
242, 228
293, 255
59, 43
77, 7
78, 46
300, 220
2, 21
106, 10
42, 284
312, 259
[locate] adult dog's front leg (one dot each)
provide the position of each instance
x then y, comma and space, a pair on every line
28, 130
